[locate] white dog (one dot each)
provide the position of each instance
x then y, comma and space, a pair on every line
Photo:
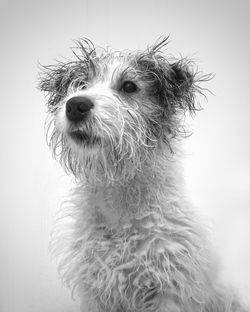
130, 240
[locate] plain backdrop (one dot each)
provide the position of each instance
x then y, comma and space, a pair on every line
216, 33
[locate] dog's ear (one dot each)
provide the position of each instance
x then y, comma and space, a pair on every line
180, 79
174, 84
181, 86
55, 80
175, 80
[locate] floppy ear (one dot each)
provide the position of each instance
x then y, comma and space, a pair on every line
182, 86
178, 82
55, 80
180, 78
174, 84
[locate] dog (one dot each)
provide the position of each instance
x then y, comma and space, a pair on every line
128, 239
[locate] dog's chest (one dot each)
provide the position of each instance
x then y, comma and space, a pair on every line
113, 207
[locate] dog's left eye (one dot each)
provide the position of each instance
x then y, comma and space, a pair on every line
129, 87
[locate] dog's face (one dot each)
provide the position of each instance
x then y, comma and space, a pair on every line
113, 110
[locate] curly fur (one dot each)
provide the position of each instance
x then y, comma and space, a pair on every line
128, 238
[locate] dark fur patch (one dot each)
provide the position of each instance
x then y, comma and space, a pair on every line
175, 83
56, 79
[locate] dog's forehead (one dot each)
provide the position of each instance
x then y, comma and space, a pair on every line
115, 61
113, 66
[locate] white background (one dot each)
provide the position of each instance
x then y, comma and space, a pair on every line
32, 183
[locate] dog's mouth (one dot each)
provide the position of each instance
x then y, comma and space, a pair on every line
81, 137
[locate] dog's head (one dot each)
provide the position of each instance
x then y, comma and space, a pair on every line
110, 112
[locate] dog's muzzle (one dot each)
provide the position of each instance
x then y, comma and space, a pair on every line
78, 108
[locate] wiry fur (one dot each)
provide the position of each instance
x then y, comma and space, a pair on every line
128, 239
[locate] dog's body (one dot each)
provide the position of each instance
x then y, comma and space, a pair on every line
130, 241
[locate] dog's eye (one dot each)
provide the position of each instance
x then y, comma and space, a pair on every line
129, 87
83, 85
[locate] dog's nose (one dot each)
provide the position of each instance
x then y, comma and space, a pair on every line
78, 107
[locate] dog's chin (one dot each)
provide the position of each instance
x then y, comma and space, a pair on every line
82, 138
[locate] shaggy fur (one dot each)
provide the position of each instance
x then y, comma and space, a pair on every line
128, 240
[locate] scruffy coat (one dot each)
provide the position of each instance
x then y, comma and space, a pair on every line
128, 239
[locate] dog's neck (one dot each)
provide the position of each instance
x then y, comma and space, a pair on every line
158, 182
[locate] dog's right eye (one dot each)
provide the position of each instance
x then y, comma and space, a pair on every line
129, 87
83, 85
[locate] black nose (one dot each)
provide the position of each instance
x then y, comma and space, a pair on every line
77, 108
